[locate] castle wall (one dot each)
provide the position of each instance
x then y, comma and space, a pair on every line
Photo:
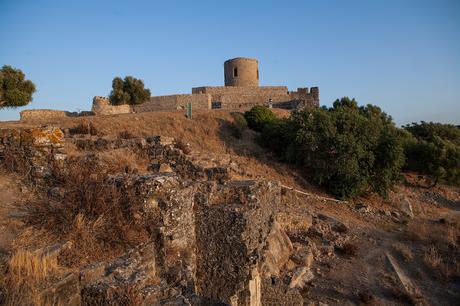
235, 101
102, 106
173, 102
41, 114
246, 90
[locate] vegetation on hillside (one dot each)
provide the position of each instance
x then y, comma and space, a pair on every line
350, 149
258, 117
434, 149
128, 91
15, 90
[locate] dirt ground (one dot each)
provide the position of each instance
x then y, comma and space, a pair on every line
418, 227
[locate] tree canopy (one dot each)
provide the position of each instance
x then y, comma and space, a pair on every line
15, 90
128, 91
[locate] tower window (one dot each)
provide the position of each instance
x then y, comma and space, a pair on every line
235, 72
257, 73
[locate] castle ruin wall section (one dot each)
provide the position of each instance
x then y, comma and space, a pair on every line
174, 102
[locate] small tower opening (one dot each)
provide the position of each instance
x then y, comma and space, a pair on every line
235, 72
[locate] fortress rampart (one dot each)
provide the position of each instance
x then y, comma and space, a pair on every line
241, 90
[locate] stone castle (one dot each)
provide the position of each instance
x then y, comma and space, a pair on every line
241, 90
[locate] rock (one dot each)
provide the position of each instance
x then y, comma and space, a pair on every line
66, 291
165, 168
406, 207
276, 293
303, 258
301, 277
290, 265
278, 250
361, 207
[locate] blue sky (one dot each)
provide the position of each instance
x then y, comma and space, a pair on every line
403, 55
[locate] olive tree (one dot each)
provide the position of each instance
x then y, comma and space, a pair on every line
128, 91
15, 90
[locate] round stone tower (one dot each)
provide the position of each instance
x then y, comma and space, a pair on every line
241, 71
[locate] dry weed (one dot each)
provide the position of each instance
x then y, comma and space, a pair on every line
84, 128
432, 257
27, 266
404, 251
94, 214
28, 272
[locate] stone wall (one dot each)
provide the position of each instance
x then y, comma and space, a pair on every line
102, 106
174, 102
41, 114
33, 152
246, 90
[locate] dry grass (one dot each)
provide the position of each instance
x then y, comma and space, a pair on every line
97, 217
84, 127
26, 266
125, 134
432, 257
28, 272
404, 251
16, 161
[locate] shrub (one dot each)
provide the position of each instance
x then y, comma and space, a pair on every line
15, 90
98, 216
183, 146
258, 117
434, 149
128, 91
239, 125
347, 149
84, 128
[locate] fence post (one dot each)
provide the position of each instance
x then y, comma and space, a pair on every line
189, 110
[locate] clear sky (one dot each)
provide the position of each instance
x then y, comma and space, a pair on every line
403, 55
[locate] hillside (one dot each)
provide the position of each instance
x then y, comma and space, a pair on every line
396, 251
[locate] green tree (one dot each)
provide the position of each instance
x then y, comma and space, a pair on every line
434, 149
258, 117
15, 90
347, 149
128, 91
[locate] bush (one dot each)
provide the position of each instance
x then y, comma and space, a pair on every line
128, 91
258, 117
239, 125
347, 149
84, 128
434, 149
15, 90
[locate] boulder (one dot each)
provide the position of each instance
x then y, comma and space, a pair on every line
301, 277
277, 252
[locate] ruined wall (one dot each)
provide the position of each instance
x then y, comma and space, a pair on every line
174, 102
212, 240
41, 114
304, 98
34, 151
102, 106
